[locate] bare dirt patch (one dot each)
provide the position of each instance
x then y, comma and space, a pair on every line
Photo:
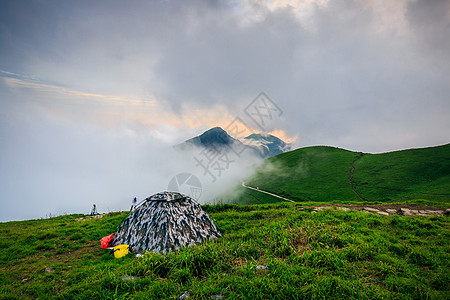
391, 209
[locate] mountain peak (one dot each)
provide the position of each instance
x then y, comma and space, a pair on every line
264, 136
214, 131
268, 145
215, 135
262, 144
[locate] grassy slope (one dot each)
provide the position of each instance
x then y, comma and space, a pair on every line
419, 173
63, 243
321, 174
330, 254
312, 173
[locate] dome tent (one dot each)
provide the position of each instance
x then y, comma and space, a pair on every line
165, 222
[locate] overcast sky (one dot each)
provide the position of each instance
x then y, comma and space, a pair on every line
92, 92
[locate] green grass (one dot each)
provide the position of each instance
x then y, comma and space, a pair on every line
307, 174
321, 174
423, 173
330, 254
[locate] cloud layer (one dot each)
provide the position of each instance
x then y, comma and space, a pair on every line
85, 78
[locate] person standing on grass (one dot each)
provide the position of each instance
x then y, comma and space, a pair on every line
133, 204
94, 210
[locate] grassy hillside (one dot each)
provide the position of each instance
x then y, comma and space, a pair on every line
322, 174
415, 173
330, 254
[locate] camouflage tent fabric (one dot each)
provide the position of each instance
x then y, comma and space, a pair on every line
165, 222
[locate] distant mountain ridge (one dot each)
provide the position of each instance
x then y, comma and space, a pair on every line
268, 145
263, 145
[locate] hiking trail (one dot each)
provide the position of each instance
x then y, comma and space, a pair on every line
262, 191
350, 176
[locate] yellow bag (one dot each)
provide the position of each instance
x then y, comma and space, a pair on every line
121, 250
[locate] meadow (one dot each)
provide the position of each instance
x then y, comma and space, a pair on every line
327, 174
267, 251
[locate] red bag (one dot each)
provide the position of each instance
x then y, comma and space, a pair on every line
104, 242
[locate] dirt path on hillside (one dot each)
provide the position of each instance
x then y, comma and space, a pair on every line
265, 192
350, 176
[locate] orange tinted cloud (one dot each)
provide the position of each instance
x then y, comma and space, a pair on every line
281, 134
61, 103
